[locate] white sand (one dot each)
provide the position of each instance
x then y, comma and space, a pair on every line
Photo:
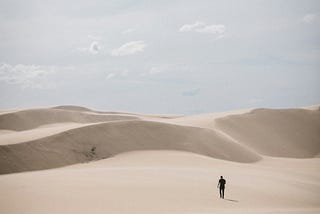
270, 159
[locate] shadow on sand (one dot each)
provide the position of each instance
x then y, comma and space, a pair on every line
231, 200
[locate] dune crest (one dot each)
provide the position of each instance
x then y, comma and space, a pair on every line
30, 119
72, 108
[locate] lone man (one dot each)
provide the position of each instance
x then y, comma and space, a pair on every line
221, 186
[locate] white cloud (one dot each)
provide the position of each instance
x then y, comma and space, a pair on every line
309, 18
111, 75
94, 47
192, 27
214, 29
28, 76
201, 27
129, 48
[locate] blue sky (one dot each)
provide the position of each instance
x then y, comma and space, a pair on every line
181, 57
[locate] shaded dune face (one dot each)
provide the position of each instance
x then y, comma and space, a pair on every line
29, 119
107, 139
280, 133
114, 113
72, 108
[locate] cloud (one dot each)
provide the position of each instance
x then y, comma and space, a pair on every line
192, 92
201, 27
111, 75
31, 76
192, 27
214, 29
94, 47
309, 18
28, 76
129, 48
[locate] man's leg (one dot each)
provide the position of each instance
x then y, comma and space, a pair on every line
222, 192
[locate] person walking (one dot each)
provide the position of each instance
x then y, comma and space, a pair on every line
221, 186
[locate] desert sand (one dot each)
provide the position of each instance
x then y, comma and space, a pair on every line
71, 159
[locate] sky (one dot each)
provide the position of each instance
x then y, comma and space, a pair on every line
169, 56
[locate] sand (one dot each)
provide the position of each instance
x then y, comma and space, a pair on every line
71, 159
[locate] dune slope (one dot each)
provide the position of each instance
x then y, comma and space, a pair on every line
107, 139
281, 133
166, 182
33, 118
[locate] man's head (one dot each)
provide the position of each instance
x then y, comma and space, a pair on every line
221, 177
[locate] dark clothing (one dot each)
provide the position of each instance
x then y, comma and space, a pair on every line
222, 185
221, 192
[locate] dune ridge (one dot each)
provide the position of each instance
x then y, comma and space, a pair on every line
109, 139
71, 108
29, 119
83, 109
28, 142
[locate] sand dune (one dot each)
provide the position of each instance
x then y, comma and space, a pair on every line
83, 109
13, 137
118, 162
59, 136
313, 107
72, 108
29, 119
280, 133
273, 132
112, 138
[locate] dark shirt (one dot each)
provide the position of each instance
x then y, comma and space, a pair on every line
222, 183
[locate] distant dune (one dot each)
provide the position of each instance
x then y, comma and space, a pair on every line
68, 135
280, 133
72, 108
33, 118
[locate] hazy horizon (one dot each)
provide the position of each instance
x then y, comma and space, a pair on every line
179, 57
